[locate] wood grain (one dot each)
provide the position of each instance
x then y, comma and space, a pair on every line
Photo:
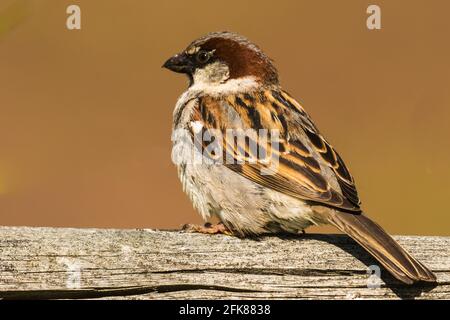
51, 263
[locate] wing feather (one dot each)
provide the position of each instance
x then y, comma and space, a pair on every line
308, 167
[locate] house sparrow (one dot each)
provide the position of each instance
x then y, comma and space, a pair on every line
233, 85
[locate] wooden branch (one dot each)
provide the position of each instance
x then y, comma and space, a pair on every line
148, 264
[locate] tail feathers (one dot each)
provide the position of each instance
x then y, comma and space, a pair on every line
382, 247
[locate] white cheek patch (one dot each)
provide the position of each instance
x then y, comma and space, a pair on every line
214, 73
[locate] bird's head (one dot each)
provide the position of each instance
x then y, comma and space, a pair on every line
222, 56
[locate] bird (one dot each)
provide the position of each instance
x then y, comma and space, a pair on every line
233, 86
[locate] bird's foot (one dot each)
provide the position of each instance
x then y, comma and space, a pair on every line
207, 228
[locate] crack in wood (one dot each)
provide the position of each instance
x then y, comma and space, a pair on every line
111, 292
268, 271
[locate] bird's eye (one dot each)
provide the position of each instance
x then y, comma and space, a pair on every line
203, 56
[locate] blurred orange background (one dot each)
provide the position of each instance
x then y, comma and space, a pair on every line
85, 116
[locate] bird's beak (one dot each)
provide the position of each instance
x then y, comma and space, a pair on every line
179, 63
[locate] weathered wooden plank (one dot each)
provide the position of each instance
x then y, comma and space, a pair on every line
149, 264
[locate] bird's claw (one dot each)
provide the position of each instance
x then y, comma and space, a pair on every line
207, 228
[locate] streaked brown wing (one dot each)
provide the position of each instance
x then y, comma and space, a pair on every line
308, 167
